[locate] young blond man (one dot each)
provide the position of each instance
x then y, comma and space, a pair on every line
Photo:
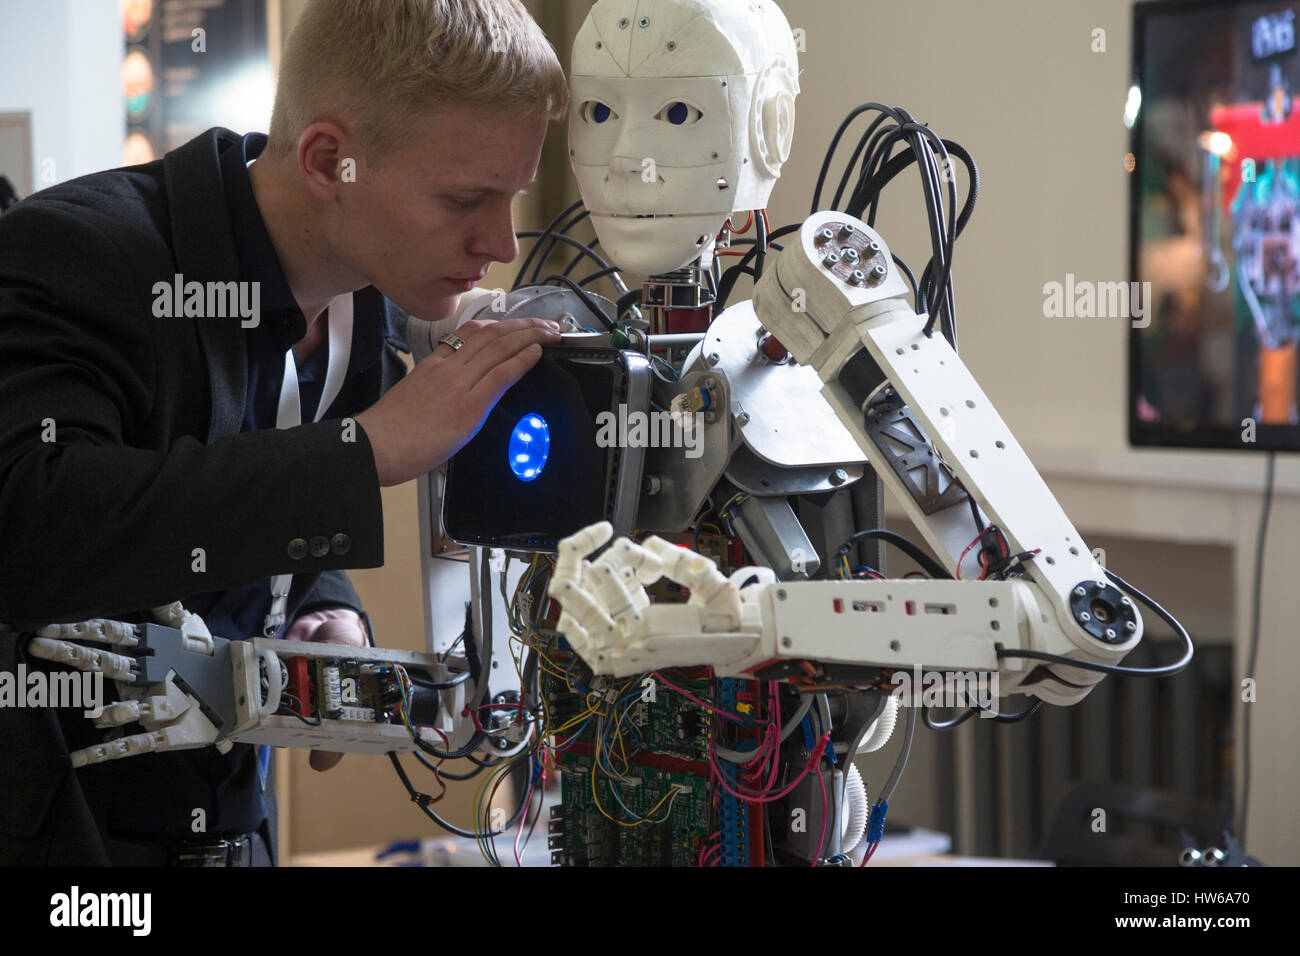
151, 453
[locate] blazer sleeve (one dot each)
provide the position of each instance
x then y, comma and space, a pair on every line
95, 527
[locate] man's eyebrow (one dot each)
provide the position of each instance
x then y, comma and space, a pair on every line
485, 190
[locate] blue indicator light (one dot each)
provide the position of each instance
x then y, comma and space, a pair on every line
530, 443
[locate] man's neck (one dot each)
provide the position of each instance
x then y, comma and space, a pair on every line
309, 264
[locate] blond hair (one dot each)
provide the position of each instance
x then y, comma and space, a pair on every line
377, 64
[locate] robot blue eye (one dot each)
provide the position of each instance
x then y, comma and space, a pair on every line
677, 113
600, 112
530, 443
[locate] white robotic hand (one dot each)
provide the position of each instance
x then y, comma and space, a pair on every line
608, 619
172, 716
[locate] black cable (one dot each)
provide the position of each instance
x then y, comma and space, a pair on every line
733, 273
583, 295
1168, 670
548, 231
423, 801
589, 248
892, 537
550, 250
947, 724
760, 226
1252, 656
430, 765
626, 301
584, 250
594, 276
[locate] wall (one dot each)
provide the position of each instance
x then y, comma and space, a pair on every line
63, 65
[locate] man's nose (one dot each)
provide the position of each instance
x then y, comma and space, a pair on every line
497, 238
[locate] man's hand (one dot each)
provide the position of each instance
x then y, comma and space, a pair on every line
442, 403
333, 626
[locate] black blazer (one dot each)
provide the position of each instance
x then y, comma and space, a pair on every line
146, 462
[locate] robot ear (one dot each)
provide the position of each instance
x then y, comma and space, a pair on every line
772, 115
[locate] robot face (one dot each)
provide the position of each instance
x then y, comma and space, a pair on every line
683, 111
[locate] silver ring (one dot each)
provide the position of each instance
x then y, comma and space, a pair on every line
452, 339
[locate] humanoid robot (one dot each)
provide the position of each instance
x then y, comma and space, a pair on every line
704, 684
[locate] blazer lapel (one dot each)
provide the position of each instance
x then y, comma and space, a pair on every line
205, 252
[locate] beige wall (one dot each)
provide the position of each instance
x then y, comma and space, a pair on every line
1016, 83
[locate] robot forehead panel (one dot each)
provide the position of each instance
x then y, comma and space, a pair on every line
681, 38
683, 112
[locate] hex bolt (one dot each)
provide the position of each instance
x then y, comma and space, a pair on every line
856, 277
846, 230
849, 254
830, 260
825, 236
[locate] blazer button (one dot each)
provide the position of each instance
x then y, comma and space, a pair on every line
320, 546
340, 543
297, 549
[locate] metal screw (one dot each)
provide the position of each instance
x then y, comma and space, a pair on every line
722, 183
1085, 617
1110, 634
653, 484
850, 254
830, 260
1130, 626
1102, 585
846, 230
825, 235
873, 247
624, 23
672, 45
1079, 591
742, 418
780, 594
786, 642
839, 476
643, 22
1125, 601
856, 277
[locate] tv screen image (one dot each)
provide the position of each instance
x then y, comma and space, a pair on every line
1215, 225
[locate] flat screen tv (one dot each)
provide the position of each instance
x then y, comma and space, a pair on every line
1215, 225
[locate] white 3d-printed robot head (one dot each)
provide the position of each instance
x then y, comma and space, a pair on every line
683, 112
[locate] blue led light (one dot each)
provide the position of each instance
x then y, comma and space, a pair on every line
530, 443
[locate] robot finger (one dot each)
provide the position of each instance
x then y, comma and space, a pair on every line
100, 630
114, 666
573, 549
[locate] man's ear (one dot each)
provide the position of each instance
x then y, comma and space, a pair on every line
320, 158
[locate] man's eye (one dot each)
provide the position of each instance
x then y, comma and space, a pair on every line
594, 111
679, 114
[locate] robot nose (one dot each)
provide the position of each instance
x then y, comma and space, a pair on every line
625, 165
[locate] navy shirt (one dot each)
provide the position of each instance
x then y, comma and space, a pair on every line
154, 796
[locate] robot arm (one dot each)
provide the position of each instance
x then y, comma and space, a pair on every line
186, 688
834, 300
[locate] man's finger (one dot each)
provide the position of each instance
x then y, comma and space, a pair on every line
500, 378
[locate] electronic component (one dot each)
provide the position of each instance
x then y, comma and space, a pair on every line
552, 455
